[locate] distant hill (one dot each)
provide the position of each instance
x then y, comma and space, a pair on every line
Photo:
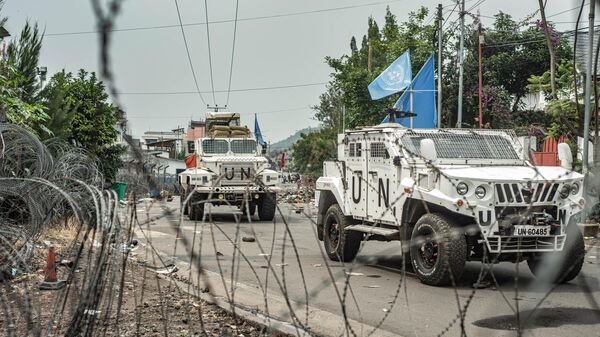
289, 141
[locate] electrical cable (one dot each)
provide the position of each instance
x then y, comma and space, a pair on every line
187, 51
212, 83
237, 3
221, 91
255, 18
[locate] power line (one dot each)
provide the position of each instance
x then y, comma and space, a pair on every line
220, 91
449, 15
255, 18
212, 83
565, 11
187, 51
237, 3
188, 116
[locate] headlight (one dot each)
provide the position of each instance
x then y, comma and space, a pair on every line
480, 192
575, 188
564, 191
462, 188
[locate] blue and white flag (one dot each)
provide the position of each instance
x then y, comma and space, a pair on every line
423, 99
257, 133
393, 79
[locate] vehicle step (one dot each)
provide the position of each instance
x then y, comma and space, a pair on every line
387, 232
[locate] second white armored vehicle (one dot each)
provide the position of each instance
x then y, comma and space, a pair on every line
230, 169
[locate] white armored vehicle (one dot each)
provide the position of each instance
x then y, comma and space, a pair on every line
230, 169
455, 195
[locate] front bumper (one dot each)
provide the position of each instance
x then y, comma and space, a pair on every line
237, 189
525, 244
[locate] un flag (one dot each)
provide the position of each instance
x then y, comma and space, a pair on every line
393, 79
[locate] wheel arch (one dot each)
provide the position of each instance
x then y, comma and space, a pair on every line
326, 199
414, 209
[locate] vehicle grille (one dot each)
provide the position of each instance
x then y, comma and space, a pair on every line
513, 193
509, 244
237, 174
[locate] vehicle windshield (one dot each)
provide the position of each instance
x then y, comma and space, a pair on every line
243, 146
210, 146
463, 145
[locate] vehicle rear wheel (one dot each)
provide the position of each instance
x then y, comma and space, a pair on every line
267, 207
569, 261
438, 251
182, 198
340, 245
195, 209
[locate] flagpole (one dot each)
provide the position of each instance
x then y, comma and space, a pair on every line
410, 92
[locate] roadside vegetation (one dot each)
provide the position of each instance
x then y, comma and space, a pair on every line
71, 109
516, 62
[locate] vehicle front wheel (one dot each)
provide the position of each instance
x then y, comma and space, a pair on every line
340, 245
267, 207
195, 209
560, 267
438, 250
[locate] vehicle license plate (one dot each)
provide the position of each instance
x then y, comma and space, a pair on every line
528, 230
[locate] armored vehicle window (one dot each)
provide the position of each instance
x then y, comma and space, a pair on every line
471, 145
355, 150
215, 146
378, 150
243, 146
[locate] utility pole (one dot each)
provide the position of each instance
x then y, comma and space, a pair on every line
480, 42
460, 62
588, 90
439, 64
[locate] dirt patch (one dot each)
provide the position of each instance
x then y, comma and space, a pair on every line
147, 304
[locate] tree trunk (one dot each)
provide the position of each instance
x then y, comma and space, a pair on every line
517, 101
550, 49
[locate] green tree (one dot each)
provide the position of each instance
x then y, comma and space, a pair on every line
81, 114
330, 108
352, 77
312, 149
23, 54
60, 105
13, 109
564, 118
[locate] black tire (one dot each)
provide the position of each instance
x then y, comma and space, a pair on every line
181, 200
267, 207
438, 250
569, 261
196, 209
340, 245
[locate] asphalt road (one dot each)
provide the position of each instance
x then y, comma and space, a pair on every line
379, 292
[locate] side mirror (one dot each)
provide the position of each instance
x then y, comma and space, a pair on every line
565, 156
428, 149
263, 149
